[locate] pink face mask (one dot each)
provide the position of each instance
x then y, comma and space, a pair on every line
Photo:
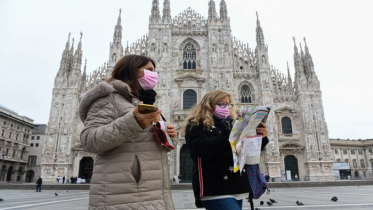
149, 80
222, 113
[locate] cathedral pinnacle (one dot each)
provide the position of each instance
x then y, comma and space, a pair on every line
305, 46
212, 10
259, 32
80, 42
155, 10
295, 46
119, 19
290, 82
223, 10
166, 10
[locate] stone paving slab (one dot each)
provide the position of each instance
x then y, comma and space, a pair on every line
350, 197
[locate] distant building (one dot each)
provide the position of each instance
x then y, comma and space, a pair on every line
358, 153
38, 139
194, 55
15, 135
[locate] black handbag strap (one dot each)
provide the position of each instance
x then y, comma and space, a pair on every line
164, 119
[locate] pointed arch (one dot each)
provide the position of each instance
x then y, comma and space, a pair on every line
246, 92
189, 49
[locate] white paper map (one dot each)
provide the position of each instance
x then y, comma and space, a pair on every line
245, 143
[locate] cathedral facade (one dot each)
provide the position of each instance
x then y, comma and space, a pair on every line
194, 55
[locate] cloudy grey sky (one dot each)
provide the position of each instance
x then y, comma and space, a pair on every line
339, 36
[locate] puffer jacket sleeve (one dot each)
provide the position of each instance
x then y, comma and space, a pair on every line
102, 132
204, 144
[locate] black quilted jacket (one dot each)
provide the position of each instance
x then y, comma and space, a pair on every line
213, 163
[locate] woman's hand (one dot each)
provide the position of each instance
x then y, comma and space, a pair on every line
263, 130
146, 120
171, 131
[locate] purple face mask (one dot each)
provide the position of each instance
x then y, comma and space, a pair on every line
221, 113
149, 80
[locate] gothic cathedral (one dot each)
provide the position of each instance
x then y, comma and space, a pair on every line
194, 55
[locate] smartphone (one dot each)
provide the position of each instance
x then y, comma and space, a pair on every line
146, 108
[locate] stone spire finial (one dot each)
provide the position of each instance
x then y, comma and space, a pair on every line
259, 32
212, 10
223, 10
295, 46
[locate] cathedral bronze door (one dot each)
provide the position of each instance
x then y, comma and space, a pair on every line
186, 165
85, 169
291, 164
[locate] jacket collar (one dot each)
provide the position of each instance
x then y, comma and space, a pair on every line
125, 90
104, 89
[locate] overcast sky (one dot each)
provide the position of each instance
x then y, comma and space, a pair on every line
339, 34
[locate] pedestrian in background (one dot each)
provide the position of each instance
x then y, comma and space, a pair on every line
63, 180
38, 184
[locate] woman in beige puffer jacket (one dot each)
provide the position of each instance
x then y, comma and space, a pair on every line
131, 170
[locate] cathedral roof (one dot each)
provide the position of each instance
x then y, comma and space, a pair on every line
189, 21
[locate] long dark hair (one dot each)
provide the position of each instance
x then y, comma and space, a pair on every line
126, 70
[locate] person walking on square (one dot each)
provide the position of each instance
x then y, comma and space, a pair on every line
207, 130
63, 180
38, 184
131, 169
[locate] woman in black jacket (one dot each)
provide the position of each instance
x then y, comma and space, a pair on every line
207, 130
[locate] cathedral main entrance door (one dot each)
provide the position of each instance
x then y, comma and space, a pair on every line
186, 165
291, 163
85, 169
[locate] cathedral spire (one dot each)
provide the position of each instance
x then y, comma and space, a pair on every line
78, 55
85, 70
290, 82
223, 10
166, 10
68, 43
117, 38
80, 43
295, 48
155, 10
212, 10
259, 32
72, 48
116, 48
65, 55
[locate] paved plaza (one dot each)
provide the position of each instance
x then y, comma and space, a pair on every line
349, 197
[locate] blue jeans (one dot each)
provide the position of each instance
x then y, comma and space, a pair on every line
223, 204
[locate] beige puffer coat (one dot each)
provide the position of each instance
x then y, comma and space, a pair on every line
131, 170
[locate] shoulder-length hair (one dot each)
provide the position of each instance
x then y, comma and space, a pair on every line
204, 110
126, 70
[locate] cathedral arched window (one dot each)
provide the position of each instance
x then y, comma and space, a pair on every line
338, 160
189, 99
245, 94
286, 125
352, 151
189, 56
